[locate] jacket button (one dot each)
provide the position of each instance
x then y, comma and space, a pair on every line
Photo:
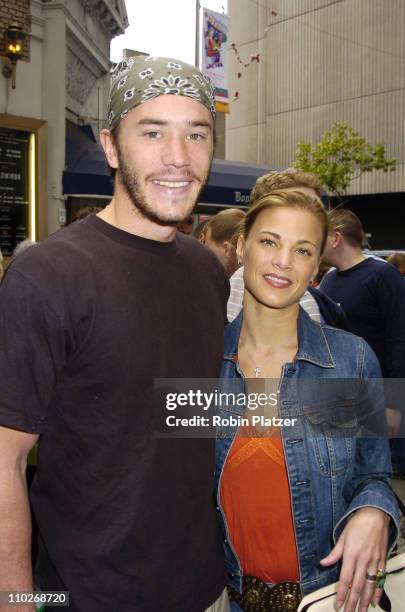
225, 541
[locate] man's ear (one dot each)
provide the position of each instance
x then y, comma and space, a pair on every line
337, 239
228, 248
240, 249
110, 149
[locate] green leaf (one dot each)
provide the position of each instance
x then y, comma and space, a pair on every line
340, 156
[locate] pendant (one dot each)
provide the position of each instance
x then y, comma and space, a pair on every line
257, 371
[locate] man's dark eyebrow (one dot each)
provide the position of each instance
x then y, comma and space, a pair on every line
151, 121
279, 237
155, 121
200, 123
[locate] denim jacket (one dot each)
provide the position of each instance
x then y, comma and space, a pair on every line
326, 457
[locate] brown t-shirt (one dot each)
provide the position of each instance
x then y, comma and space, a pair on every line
88, 319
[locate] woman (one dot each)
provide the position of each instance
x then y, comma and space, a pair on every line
284, 500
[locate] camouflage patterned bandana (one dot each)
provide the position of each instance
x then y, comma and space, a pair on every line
139, 79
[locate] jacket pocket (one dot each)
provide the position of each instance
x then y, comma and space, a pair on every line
331, 429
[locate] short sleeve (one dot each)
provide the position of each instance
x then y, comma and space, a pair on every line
32, 353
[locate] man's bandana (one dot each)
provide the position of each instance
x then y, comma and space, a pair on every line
139, 79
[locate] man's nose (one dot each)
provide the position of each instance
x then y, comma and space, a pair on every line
176, 152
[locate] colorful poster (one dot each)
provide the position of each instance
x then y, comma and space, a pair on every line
215, 55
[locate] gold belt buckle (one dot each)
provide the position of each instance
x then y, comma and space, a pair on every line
285, 596
258, 597
253, 596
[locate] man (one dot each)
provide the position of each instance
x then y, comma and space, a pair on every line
313, 301
199, 230
372, 294
186, 227
89, 318
219, 234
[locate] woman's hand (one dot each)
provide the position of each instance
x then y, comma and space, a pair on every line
362, 546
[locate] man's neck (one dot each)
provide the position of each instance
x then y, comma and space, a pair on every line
349, 257
122, 214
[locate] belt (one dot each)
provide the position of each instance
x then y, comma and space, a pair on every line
257, 596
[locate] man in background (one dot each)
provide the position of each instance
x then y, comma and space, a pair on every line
186, 227
372, 294
220, 237
199, 230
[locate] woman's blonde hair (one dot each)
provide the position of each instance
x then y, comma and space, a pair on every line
287, 199
291, 178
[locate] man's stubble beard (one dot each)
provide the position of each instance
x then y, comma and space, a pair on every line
126, 175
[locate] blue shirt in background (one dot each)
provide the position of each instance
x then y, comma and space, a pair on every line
372, 294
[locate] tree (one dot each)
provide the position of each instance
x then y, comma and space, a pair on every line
340, 156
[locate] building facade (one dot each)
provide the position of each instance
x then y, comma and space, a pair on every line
62, 79
320, 61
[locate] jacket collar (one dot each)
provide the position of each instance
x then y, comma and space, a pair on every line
312, 344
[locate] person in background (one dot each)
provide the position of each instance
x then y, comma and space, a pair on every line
398, 260
82, 213
398, 444
186, 227
318, 305
308, 502
372, 295
199, 231
323, 269
219, 233
89, 318
22, 247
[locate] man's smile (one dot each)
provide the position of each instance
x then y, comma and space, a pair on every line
172, 184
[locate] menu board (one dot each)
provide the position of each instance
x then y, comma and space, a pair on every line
14, 188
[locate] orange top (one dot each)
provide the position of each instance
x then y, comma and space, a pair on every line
255, 496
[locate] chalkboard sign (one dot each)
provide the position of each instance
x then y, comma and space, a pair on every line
14, 188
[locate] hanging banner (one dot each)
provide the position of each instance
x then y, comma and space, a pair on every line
215, 55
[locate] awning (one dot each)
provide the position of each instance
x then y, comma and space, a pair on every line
87, 172
230, 183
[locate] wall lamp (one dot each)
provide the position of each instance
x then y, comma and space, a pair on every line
14, 39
